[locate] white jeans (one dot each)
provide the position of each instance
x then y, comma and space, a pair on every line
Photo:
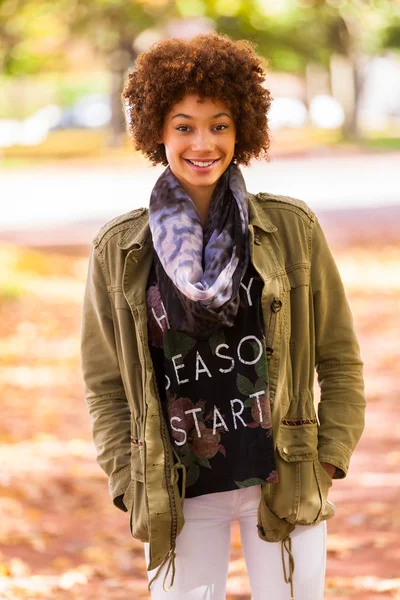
203, 549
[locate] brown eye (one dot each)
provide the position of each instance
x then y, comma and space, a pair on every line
221, 125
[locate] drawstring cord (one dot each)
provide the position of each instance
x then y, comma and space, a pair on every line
171, 563
171, 554
175, 476
287, 545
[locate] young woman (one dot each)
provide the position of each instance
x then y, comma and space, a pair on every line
204, 319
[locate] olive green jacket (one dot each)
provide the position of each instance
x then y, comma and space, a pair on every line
308, 326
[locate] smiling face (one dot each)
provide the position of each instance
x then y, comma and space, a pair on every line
199, 139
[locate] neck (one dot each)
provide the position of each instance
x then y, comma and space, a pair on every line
201, 198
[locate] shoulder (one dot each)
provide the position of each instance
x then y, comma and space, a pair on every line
119, 224
276, 204
294, 223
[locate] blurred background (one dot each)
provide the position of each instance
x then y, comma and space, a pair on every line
67, 166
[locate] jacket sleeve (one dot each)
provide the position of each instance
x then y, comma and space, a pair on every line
104, 391
338, 362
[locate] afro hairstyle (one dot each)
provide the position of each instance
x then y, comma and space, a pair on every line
210, 65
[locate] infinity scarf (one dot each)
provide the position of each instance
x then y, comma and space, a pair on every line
199, 271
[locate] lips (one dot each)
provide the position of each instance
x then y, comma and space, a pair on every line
201, 169
203, 160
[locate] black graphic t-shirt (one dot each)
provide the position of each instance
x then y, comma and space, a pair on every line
214, 394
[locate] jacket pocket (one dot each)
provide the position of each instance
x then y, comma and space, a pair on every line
135, 496
301, 495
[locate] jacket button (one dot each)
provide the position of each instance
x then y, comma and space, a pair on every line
257, 240
276, 305
285, 450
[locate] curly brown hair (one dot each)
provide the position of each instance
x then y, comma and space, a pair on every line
210, 65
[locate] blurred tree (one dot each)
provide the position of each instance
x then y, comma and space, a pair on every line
112, 27
391, 34
32, 37
337, 35
35, 36
294, 35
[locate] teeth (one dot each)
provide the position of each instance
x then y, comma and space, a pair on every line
201, 164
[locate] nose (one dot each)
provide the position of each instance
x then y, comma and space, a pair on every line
203, 141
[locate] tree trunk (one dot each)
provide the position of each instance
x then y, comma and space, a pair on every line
347, 82
117, 124
343, 90
316, 82
119, 61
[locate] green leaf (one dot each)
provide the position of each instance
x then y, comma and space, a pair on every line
260, 385
262, 367
249, 482
244, 385
203, 462
187, 456
174, 340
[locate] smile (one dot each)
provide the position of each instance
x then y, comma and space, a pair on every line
201, 165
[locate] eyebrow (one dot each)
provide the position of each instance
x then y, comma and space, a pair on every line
182, 115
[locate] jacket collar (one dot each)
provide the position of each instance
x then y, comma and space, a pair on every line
257, 216
139, 234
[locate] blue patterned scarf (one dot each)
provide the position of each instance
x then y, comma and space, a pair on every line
199, 271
